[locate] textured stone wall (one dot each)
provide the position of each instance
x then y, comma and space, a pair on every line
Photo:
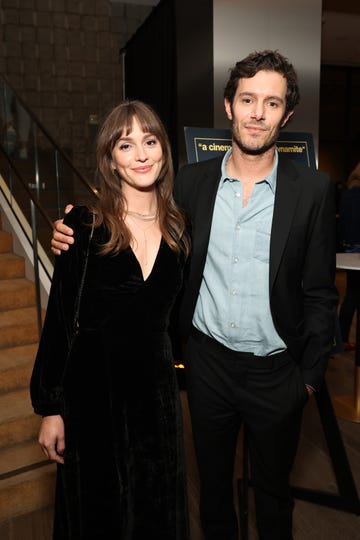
63, 58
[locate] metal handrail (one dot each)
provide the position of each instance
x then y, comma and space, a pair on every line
27, 189
35, 205
32, 197
37, 122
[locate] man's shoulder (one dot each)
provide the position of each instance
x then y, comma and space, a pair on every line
299, 170
201, 167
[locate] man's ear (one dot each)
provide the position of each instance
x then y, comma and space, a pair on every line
228, 110
287, 117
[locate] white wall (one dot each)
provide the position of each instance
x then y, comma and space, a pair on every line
294, 28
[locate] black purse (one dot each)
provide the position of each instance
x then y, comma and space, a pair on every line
75, 324
58, 391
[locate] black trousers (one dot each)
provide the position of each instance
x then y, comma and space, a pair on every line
226, 388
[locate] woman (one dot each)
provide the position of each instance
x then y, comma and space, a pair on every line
111, 413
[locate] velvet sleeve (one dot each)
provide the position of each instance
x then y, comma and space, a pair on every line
46, 381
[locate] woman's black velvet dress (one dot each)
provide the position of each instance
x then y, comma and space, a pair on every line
123, 476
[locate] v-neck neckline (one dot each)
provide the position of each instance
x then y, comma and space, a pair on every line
153, 266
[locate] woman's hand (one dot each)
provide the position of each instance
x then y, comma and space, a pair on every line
52, 437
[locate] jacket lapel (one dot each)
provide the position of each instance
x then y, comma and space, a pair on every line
286, 198
200, 208
207, 189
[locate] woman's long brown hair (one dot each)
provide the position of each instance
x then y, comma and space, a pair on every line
111, 206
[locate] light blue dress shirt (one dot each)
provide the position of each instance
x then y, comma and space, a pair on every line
233, 306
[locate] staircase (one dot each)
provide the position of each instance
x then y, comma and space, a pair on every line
26, 478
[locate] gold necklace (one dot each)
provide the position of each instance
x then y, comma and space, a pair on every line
142, 217
143, 231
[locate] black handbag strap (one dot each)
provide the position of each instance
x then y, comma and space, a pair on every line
82, 281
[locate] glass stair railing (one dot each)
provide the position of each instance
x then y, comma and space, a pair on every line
37, 178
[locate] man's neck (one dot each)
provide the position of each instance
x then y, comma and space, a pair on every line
250, 168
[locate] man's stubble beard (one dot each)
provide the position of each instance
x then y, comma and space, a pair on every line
255, 151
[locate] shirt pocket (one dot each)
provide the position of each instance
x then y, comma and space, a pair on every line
262, 243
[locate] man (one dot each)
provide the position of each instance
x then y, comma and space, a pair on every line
258, 306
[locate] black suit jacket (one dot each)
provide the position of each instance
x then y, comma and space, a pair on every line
303, 297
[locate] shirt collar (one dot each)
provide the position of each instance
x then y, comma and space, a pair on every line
270, 179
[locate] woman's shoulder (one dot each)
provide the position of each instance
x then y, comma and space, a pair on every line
78, 217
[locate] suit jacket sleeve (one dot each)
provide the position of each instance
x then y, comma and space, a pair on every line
320, 295
303, 296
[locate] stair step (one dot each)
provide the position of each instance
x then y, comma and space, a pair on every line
27, 479
5, 241
15, 457
27, 492
18, 327
16, 293
11, 266
18, 422
16, 365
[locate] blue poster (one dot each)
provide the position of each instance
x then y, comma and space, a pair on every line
206, 143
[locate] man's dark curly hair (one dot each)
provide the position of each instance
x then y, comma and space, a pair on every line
264, 61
